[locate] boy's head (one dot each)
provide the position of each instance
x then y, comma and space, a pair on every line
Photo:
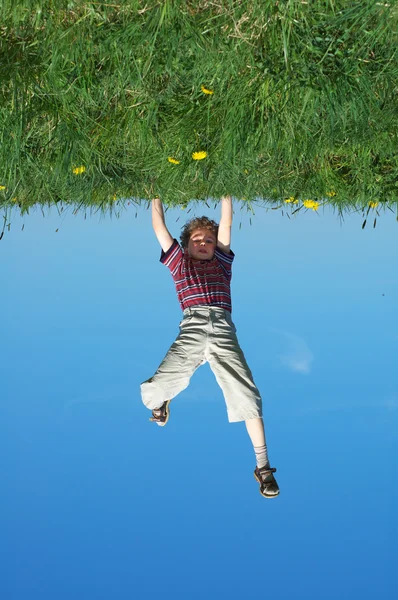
199, 238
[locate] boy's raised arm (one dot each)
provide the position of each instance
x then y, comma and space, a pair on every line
224, 228
159, 225
226, 211
157, 213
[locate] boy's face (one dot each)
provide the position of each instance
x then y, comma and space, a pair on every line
202, 244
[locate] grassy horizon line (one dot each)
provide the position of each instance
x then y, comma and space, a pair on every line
101, 102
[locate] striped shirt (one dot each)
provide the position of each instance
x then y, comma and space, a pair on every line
200, 282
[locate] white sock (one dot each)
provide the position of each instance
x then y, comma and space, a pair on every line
261, 456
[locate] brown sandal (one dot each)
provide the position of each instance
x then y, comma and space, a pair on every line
265, 477
161, 415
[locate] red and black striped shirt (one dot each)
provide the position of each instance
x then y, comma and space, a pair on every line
200, 282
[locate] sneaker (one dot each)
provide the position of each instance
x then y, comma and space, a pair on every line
268, 486
161, 415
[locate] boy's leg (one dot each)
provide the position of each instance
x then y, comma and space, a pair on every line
184, 356
233, 375
241, 395
263, 472
172, 377
255, 429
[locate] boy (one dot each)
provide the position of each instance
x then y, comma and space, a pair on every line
201, 269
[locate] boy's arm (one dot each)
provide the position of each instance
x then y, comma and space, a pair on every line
225, 226
159, 225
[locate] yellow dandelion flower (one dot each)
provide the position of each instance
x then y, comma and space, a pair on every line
373, 204
173, 160
199, 155
205, 90
79, 170
308, 203
330, 194
311, 204
2, 188
114, 197
291, 199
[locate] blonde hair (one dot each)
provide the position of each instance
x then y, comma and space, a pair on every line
197, 223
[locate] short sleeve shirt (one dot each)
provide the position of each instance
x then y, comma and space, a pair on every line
200, 282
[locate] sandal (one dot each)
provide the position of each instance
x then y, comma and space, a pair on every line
161, 415
268, 486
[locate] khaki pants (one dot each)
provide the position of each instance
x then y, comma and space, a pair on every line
207, 334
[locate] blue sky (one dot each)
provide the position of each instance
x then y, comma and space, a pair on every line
99, 503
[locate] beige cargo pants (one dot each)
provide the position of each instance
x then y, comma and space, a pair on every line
207, 334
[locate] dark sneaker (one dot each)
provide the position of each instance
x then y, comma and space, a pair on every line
268, 486
161, 415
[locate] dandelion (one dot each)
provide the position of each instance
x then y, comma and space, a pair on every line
311, 204
330, 194
291, 200
114, 197
2, 188
373, 204
79, 170
199, 155
206, 91
173, 160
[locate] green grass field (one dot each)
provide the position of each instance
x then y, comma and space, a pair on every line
289, 100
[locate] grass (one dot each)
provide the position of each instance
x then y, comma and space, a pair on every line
304, 102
